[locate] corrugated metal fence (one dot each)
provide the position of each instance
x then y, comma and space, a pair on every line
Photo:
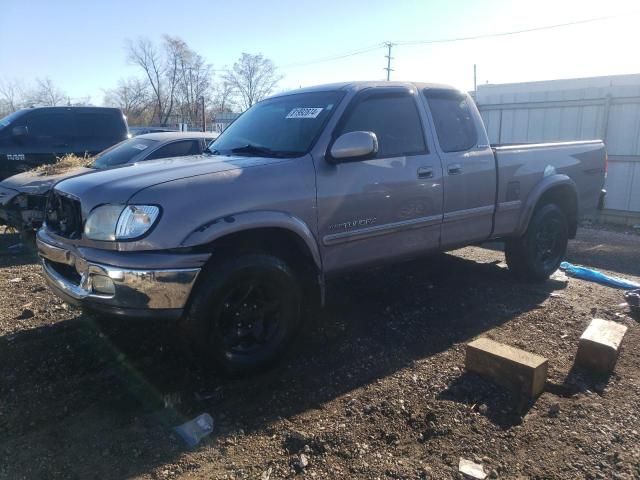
605, 108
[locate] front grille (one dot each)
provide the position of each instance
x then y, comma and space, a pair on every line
63, 215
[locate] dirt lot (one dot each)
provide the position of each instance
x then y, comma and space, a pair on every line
376, 388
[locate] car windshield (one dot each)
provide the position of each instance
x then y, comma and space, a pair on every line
280, 127
122, 152
9, 118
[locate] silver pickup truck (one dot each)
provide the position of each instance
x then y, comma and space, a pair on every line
303, 186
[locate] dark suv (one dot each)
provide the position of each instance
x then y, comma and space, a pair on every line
34, 136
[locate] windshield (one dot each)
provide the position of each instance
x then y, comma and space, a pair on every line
281, 126
122, 152
9, 118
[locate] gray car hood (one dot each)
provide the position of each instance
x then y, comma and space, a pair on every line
120, 184
34, 183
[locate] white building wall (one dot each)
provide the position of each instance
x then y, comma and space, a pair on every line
605, 108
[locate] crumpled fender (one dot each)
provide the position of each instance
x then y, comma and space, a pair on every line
238, 222
547, 183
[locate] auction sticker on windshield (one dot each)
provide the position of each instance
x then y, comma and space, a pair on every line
309, 112
139, 146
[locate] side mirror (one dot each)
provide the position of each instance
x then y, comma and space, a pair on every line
354, 146
20, 131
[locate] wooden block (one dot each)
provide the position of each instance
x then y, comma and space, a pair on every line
599, 345
508, 366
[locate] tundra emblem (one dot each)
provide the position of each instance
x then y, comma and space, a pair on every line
361, 222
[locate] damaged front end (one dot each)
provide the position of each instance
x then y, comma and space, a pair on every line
22, 211
23, 198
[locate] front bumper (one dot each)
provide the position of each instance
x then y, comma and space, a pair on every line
132, 292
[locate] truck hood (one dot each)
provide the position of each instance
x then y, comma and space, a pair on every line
118, 185
34, 183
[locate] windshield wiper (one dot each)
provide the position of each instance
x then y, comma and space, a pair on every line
250, 149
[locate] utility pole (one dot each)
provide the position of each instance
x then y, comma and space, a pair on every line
475, 84
204, 120
388, 57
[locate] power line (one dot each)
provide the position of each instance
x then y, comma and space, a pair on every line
370, 48
334, 57
514, 32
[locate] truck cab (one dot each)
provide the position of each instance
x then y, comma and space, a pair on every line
35, 136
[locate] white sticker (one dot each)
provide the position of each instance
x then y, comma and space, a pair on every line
309, 112
139, 146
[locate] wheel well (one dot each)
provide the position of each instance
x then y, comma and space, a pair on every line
283, 243
565, 198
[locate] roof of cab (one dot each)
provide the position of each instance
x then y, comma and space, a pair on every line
347, 86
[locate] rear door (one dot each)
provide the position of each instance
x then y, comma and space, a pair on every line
469, 167
389, 206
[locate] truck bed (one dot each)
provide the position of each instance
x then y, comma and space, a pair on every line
522, 167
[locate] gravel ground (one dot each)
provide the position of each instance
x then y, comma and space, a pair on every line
375, 389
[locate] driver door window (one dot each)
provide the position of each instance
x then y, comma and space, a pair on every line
395, 121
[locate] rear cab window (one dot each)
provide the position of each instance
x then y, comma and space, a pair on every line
100, 126
454, 123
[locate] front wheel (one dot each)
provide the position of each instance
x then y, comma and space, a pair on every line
538, 253
244, 313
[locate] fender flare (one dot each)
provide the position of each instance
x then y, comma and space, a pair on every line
238, 222
536, 193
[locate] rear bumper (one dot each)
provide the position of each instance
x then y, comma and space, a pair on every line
122, 291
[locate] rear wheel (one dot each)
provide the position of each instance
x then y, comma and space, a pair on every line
537, 254
244, 313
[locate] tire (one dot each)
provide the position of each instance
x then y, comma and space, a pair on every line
538, 253
243, 314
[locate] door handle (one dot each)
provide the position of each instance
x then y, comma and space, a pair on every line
425, 172
454, 169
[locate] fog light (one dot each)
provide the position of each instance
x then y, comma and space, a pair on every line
103, 285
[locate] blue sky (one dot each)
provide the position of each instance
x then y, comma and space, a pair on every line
80, 44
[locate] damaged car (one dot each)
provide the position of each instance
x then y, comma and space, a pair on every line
23, 196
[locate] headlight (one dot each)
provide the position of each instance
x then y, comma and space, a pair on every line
117, 222
135, 220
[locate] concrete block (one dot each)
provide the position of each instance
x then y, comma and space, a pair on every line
508, 366
599, 345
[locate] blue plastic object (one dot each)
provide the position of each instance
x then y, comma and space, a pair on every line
596, 276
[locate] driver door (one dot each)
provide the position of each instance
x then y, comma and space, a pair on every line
389, 206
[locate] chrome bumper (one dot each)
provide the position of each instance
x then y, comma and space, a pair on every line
135, 292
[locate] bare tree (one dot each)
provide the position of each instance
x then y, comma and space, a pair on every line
46, 93
146, 56
194, 84
166, 70
223, 97
253, 77
133, 97
11, 96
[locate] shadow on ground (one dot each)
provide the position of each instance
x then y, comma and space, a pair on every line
112, 389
